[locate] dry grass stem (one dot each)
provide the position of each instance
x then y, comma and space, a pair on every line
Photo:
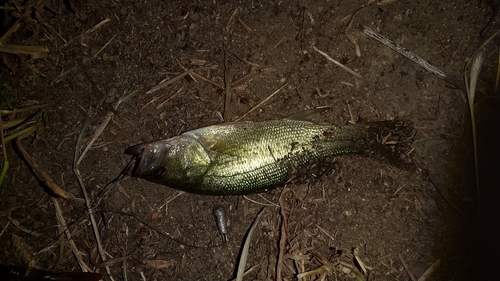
407, 268
497, 78
114, 261
227, 88
430, 270
14, 111
34, 51
168, 200
258, 203
44, 177
102, 48
207, 80
283, 230
170, 81
403, 51
326, 232
242, 60
231, 18
245, 77
64, 229
246, 26
22, 228
23, 249
97, 26
350, 71
180, 91
261, 103
361, 264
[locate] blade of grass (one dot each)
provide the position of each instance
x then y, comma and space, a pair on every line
477, 62
497, 79
244, 252
4, 153
18, 134
6, 99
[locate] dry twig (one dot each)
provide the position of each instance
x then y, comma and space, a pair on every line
227, 88
430, 270
352, 72
44, 177
282, 243
407, 268
63, 228
261, 103
168, 82
102, 48
403, 51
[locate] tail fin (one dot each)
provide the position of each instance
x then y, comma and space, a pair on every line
389, 141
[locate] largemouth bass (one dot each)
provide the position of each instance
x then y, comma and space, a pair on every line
246, 157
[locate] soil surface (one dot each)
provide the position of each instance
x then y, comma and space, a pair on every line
229, 56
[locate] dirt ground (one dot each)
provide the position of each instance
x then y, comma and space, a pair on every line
400, 222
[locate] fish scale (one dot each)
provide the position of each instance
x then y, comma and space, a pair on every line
246, 157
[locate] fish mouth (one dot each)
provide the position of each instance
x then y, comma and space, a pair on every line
136, 150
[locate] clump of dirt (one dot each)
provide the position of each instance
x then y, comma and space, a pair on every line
215, 61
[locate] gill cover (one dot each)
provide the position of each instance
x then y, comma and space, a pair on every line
174, 162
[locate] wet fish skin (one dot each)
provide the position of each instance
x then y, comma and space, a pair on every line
247, 157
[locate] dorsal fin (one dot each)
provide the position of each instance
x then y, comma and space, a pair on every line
310, 115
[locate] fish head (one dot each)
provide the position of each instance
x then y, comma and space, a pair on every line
178, 162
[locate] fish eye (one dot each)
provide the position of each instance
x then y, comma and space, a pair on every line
159, 172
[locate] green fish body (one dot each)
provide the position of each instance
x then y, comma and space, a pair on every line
247, 157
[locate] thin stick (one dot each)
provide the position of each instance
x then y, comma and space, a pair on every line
326, 232
97, 26
100, 248
259, 203
22, 228
231, 18
405, 265
4, 153
227, 88
361, 264
352, 72
207, 80
102, 48
261, 103
430, 270
497, 80
47, 180
180, 91
22, 109
168, 82
245, 77
64, 228
282, 244
403, 51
